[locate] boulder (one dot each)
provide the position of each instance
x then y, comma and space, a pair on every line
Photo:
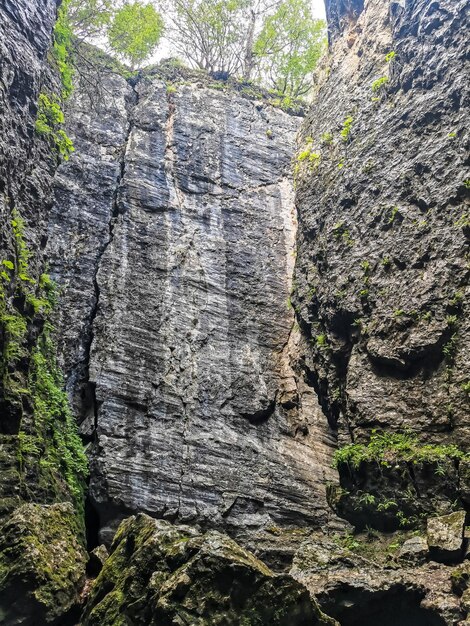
414, 549
162, 574
445, 536
42, 564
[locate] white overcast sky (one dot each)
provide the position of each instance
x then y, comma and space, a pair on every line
318, 8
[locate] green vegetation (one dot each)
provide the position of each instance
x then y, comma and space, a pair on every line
346, 130
307, 161
135, 32
276, 43
321, 341
48, 446
49, 122
379, 83
61, 48
393, 214
62, 454
327, 138
388, 449
289, 46
390, 56
340, 232
450, 348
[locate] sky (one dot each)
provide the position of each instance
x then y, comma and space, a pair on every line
318, 9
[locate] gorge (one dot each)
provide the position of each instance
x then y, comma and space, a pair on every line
250, 324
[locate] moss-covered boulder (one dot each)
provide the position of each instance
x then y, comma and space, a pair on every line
42, 564
162, 574
445, 536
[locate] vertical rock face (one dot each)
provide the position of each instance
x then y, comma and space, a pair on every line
178, 260
42, 562
26, 172
382, 266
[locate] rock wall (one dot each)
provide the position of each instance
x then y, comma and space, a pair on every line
382, 268
173, 237
42, 559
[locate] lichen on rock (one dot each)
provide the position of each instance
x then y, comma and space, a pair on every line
162, 574
42, 564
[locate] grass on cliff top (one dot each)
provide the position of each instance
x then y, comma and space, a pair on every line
389, 448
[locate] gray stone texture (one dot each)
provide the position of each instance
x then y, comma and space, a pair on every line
382, 267
173, 239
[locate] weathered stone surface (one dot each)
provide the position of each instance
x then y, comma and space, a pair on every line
42, 564
26, 171
194, 390
445, 536
80, 225
373, 587
163, 574
414, 549
96, 560
381, 270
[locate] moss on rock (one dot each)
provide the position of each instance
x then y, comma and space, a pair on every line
162, 574
42, 564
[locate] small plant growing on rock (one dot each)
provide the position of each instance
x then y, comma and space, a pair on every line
346, 130
48, 124
379, 83
395, 211
341, 232
390, 56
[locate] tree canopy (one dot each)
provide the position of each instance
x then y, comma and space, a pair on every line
289, 46
135, 31
277, 43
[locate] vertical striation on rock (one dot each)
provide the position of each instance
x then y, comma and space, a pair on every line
82, 218
382, 268
201, 412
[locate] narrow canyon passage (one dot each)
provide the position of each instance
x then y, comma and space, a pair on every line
234, 330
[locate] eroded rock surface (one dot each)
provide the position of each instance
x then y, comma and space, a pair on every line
364, 580
177, 260
162, 574
382, 272
42, 564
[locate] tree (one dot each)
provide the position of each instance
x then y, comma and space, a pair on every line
209, 33
289, 46
257, 9
135, 31
89, 18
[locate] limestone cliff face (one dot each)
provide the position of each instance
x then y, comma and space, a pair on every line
174, 238
382, 267
42, 559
